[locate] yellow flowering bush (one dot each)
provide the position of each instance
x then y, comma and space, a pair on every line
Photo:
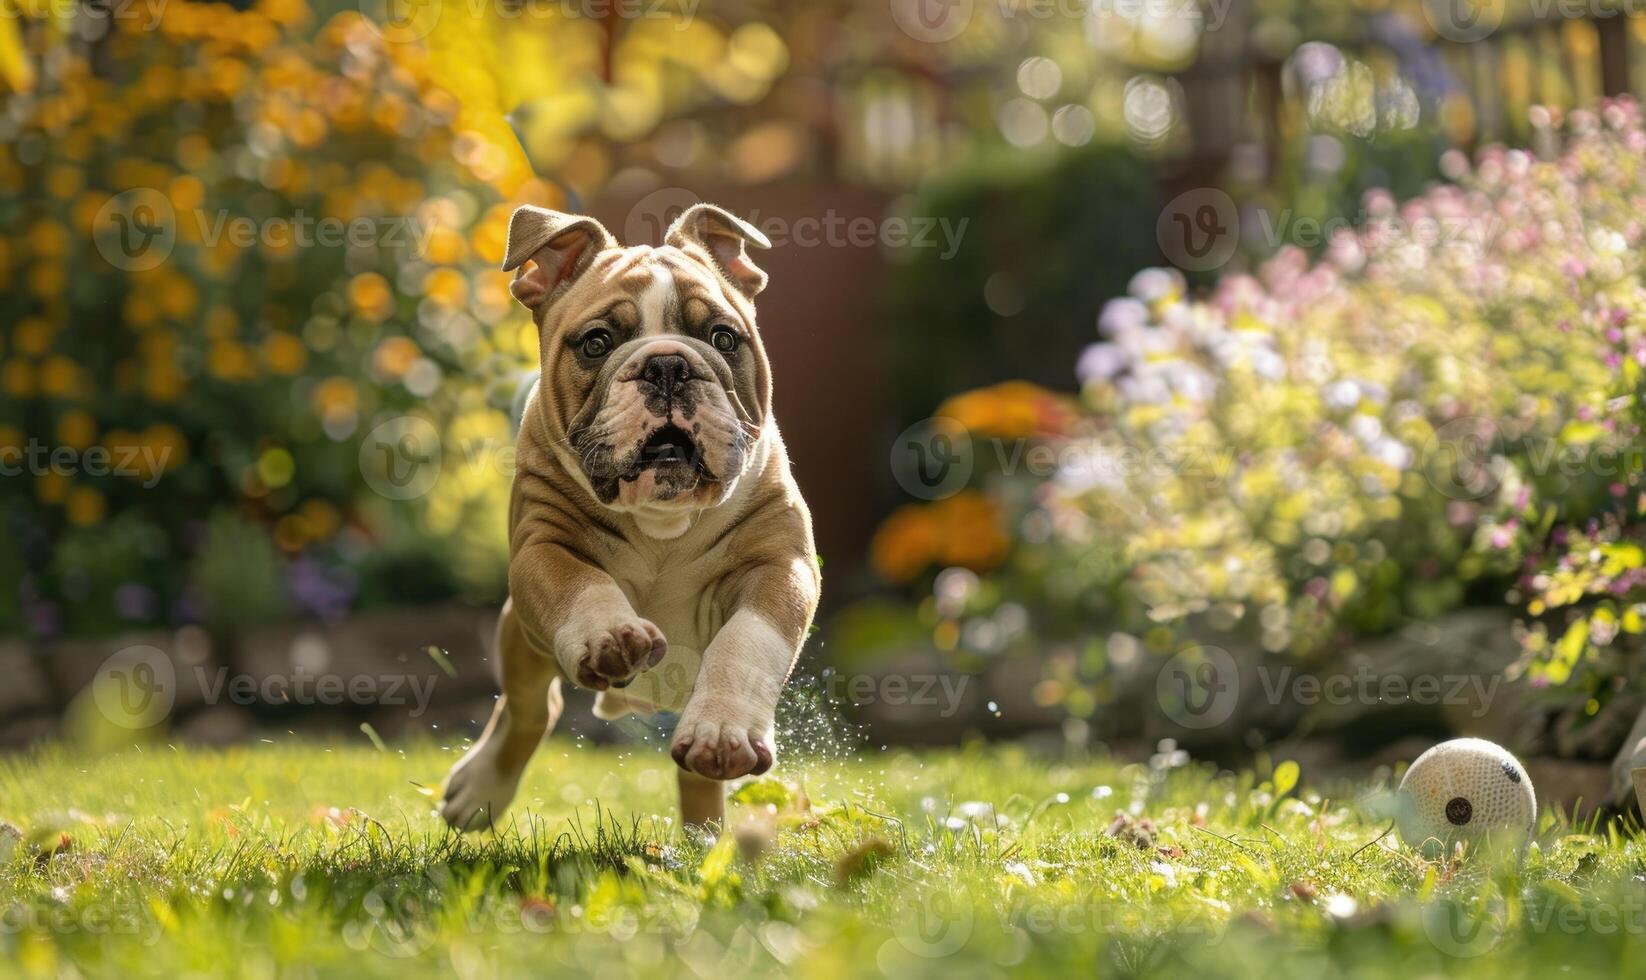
242, 245
1444, 409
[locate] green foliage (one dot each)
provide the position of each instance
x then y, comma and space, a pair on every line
237, 572
1047, 241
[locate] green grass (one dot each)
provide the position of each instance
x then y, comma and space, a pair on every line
987, 861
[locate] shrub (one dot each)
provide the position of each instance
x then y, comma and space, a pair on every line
241, 376
1037, 259
1446, 408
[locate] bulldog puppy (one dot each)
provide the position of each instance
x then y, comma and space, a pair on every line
660, 553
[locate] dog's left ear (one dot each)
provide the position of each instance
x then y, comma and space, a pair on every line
560, 246
723, 235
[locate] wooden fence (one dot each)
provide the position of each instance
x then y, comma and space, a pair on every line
1481, 89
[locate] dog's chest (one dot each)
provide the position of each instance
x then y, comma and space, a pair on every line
677, 596
681, 605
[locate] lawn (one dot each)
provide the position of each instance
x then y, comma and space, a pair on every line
298, 858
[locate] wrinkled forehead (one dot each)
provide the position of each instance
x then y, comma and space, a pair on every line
652, 288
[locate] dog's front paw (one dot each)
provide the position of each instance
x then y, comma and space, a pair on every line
721, 749
611, 655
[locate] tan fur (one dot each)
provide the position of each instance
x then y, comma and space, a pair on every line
688, 590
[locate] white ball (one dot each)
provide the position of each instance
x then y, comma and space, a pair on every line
1463, 789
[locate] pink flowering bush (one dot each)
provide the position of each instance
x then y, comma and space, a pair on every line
1444, 409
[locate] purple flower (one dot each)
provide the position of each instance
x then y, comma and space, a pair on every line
319, 591
1101, 362
189, 607
136, 602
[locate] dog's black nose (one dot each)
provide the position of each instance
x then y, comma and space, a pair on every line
666, 371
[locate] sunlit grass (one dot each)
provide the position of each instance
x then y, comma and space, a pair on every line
277, 859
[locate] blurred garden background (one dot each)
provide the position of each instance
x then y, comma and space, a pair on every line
1107, 335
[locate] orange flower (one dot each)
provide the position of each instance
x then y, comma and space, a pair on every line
179, 298
163, 383
970, 532
446, 286
17, 378
63, 182
229, 361
962, 530
321, 517
335, 397
187, 193
285, 12
371, 297
59, 377
395, 356
85, 506
904, 544
76, 429
51, 487
284, 354
491, 234
194, 152
159, 450
48, 239
33, 335
1010, 410
47, 279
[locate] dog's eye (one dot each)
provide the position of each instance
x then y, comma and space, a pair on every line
724, 339
596, 343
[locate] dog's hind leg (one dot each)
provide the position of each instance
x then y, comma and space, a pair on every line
484, 781
702, 800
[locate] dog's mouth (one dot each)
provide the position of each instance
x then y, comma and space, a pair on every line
668, 448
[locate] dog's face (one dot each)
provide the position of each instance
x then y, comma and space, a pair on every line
653, 375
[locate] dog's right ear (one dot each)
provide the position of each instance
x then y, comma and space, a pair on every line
559, 246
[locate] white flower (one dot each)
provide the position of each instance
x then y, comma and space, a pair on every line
1342, 394
1145, 389
1366, 428
1101, 362
1150, 285
1393, 452
1120, 315
1268, 365
1187, 379
1607, 242
1091, 467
